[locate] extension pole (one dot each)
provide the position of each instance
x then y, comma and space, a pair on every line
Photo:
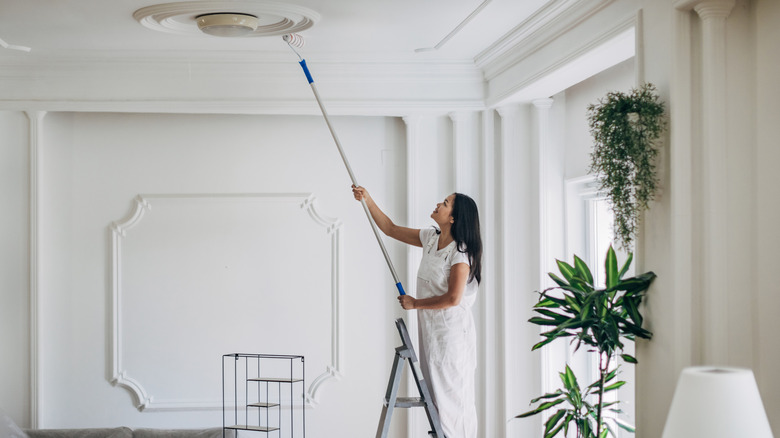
398, 284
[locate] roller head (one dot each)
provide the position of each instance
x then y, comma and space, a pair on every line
294, 39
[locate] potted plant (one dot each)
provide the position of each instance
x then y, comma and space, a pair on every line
625, 129
601, 319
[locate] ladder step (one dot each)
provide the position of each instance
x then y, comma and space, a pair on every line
275, 379
263, 405
409, 402
255, 428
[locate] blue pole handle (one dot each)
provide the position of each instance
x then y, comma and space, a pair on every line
306, 71
400, 288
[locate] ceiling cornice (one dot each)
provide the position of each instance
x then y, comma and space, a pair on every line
549, 23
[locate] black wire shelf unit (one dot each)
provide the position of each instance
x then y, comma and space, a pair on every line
264, 393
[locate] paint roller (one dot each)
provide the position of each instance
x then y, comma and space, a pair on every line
297, 41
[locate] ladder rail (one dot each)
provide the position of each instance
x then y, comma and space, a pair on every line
406, 353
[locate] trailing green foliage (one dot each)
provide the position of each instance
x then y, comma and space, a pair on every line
625, 129
601, 319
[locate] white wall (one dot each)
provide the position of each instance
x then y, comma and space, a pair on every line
578, 141
707, 235
93, 165
766, 215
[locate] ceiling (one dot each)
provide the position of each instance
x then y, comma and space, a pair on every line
343, 29
148, 55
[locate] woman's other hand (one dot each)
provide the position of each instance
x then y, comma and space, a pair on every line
407, 302
359, 192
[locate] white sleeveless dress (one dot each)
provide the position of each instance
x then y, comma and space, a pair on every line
447, 339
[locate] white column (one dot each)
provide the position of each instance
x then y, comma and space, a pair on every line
519, 269
715, 276
465, 155
413, 133
36, 361
682, 193
541, 144
490, 385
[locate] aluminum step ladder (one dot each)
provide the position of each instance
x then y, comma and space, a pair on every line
406, 353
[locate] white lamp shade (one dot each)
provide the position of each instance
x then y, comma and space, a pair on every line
717, 402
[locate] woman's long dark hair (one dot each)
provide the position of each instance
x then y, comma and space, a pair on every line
465, 231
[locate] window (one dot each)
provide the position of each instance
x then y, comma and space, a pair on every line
589, 235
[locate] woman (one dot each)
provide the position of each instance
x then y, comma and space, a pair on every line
447, 283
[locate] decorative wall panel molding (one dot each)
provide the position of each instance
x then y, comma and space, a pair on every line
201, 275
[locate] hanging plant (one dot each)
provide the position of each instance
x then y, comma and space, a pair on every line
625, 128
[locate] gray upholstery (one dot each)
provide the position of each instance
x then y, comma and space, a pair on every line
124, 432
117, 432
184, 433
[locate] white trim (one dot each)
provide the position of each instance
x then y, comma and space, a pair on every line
541, 145
412, 254
118, 230
36, 352
611, 47
295, 106
714, 120
489, 382
639, 48
681, 198
551, 21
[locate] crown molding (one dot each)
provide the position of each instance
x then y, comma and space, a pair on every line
235, 85
379, 107
550, 22
595, 45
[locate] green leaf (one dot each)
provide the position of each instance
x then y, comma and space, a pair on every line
610, 266
572, 303
549, 302
624, 269
632, 285
554, 315
628, 358
549, 395
541, 344
558, 280
624, 425
541, 408
614, 386
569, 379
611, 375
633, 329
567, 270
583, 269
630, 305
550, 430
542, 321
566, 421
606, 429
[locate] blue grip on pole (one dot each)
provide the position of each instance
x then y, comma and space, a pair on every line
400, 288
306, 70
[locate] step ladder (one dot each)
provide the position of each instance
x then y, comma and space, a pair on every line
406, 353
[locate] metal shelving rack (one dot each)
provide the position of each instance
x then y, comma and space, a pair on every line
261, 393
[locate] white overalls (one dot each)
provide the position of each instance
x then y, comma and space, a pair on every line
447, 339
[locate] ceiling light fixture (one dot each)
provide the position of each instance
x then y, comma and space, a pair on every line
227, 24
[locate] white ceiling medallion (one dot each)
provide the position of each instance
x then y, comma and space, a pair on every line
261, 18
